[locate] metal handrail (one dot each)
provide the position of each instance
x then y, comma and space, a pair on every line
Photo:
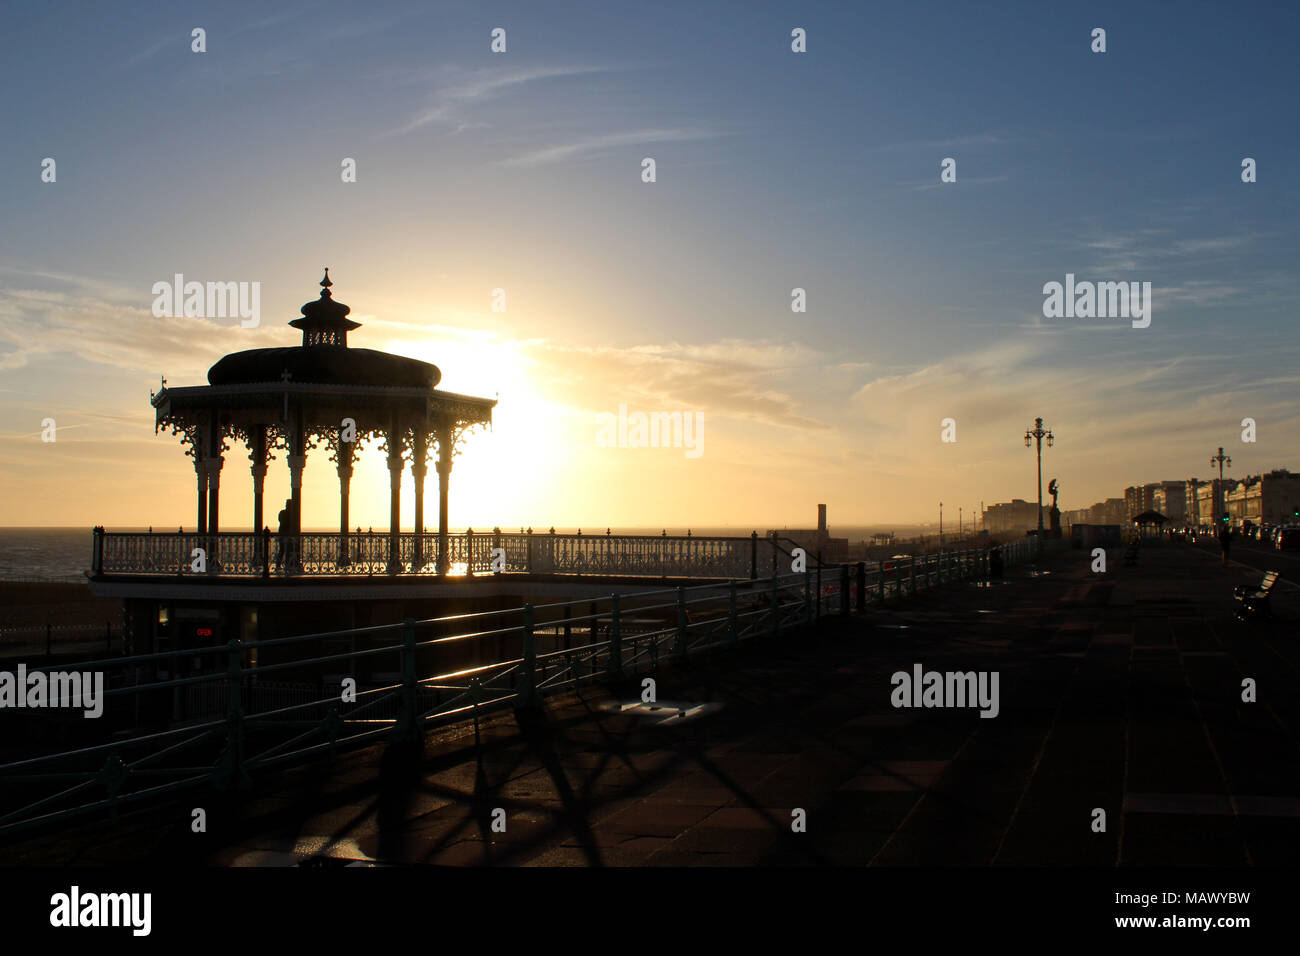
258, 730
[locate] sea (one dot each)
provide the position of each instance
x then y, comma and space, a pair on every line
63, 554
44, 554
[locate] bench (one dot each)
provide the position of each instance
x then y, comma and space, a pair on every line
1254, 599
1131, 552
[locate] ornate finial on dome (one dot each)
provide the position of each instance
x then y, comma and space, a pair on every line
324, 320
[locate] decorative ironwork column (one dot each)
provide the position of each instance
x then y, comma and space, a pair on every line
419, 468
214, 447
444, 481
201, 471
395, 465
344, 458
296, 465
214, 494
297, 459
257, 454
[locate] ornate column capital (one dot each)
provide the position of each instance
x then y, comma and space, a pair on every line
296, 464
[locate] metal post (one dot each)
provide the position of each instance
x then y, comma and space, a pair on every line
862, 586
818, 612
807, 595
912, 575
733, 632
776, 598
844, 590
407, 727
682, 627
753, 556
615, 639
880, 579
527, 696
229, 773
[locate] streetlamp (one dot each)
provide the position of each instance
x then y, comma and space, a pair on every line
1037, 434
1221, 459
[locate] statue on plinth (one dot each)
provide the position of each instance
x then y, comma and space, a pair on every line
1054, 516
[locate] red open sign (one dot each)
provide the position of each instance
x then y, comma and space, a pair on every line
203, 631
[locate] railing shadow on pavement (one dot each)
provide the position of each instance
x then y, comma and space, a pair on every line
217, 715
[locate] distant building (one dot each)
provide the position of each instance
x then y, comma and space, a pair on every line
817, 541
1170, 499
1013, 516
1075, 516
1211, 500
1191, 497
1135, 501
1270, 499
1110, 511
1140, 498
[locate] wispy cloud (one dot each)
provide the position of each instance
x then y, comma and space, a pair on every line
182, 38
961, 182
451, 104
1152, 248
756, 380
596, 145
979, 139
37, 324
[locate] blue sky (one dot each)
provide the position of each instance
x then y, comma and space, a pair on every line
774, 170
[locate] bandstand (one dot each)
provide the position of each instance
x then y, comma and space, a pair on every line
322, 392
204, 587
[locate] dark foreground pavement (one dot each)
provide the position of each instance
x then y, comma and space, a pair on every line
1119, 691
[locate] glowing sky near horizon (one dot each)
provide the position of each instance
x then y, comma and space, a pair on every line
775, 170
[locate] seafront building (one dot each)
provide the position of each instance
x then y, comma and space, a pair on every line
1014, 516
1270, 499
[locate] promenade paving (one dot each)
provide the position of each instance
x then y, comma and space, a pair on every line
1119, 691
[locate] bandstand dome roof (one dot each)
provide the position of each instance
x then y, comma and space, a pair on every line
324, 357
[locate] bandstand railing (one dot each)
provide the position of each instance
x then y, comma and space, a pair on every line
248, 554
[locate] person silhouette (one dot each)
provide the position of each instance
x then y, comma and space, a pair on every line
1225, 542
281, 547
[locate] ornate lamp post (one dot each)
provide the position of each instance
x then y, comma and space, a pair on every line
1032, 435
1222, 460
